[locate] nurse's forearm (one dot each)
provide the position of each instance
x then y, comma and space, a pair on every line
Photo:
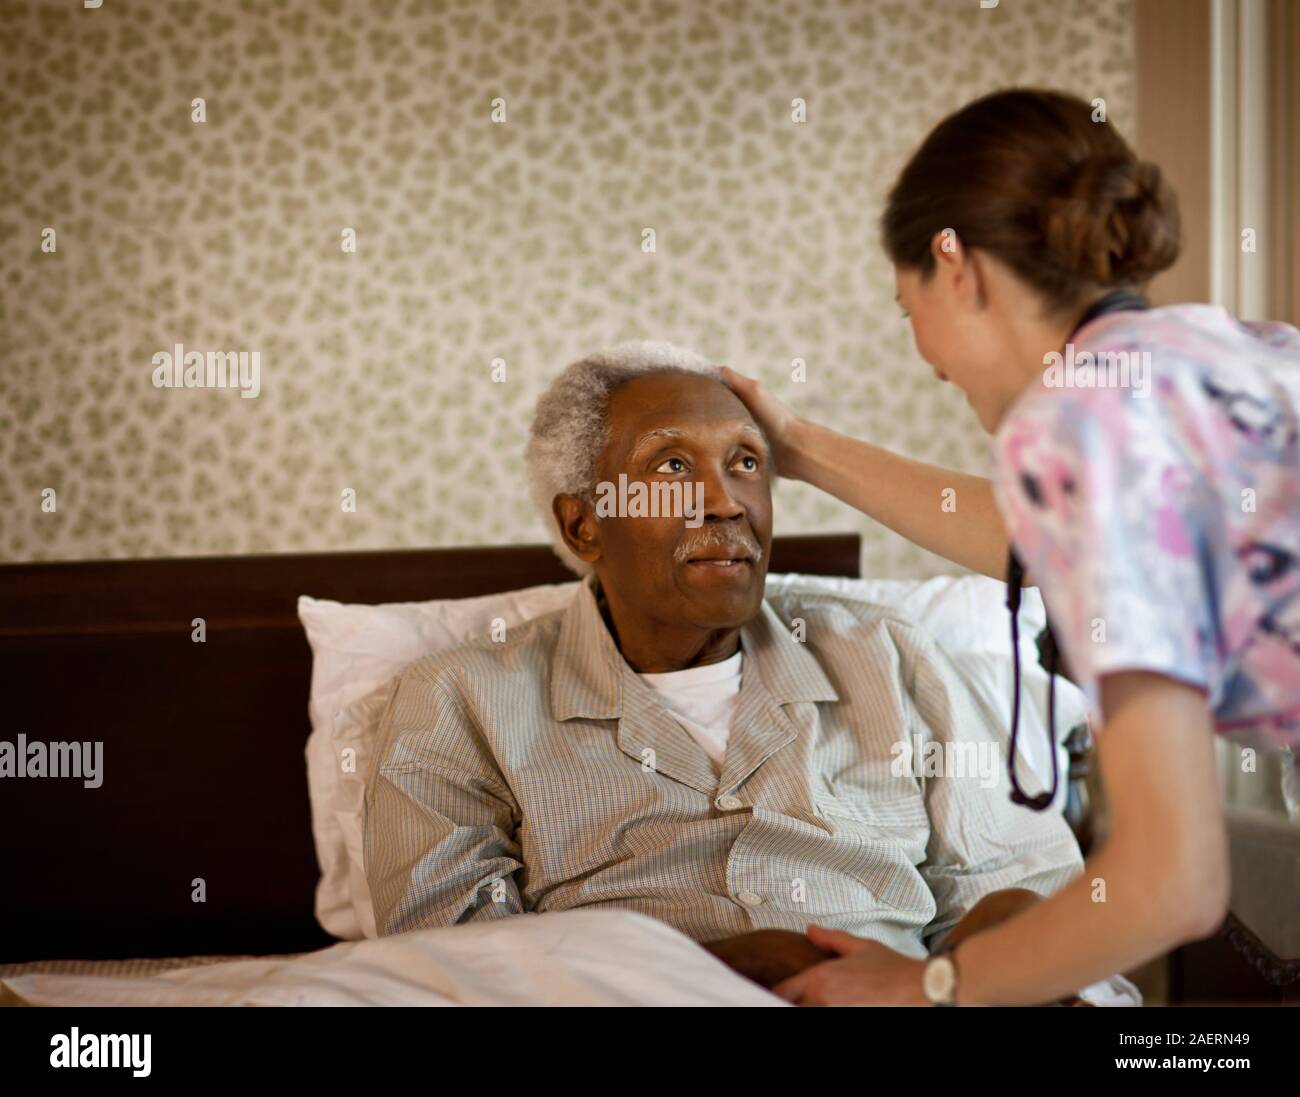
1059, 946
1161, 880
949, 513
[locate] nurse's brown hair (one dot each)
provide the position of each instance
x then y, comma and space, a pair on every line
1029, 177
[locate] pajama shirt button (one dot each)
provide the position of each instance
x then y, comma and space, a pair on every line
750, 898
729, 803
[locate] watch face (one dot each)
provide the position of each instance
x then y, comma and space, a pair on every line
940, 979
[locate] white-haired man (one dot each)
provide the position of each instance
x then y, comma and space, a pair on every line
675, 744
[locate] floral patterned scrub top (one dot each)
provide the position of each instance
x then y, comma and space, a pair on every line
1155, 500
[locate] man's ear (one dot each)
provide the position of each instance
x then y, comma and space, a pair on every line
577, 526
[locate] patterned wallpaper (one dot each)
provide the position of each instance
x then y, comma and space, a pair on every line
416, 212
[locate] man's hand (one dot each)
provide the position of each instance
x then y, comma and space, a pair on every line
767, 956
865, 973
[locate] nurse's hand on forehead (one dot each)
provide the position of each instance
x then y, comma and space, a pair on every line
779, 423
887, 487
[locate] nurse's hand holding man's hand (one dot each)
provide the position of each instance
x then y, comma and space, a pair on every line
865, 973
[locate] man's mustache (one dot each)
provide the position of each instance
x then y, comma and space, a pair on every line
734, 541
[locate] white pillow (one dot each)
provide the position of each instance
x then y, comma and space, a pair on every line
359, 650
963, 612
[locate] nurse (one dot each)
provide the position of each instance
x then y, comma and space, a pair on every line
1157, 508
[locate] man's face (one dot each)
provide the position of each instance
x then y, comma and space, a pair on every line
681, 427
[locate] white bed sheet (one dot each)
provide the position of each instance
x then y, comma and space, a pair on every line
576, 958
569, 958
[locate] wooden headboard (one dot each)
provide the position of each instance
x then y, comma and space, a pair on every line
203, 767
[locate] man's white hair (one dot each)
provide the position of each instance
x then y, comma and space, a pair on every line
570, 431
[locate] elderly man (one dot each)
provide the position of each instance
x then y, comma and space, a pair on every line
673, 743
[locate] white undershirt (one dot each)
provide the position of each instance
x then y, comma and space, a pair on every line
703, 700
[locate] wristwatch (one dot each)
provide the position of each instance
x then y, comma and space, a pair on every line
939, 979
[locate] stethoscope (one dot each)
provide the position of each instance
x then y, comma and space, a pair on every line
1112, 302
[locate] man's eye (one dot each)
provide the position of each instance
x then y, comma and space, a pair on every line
672, 460
753, 462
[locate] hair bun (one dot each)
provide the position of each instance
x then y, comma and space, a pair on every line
1113, 220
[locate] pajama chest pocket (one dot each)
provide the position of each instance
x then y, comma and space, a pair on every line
900, 820
881, 842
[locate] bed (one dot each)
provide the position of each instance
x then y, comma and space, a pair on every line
205, 790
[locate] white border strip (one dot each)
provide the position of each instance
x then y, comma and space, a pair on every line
1239, 157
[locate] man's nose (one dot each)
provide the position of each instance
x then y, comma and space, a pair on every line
720, 505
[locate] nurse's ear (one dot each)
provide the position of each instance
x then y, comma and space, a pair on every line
947, 249
960, 269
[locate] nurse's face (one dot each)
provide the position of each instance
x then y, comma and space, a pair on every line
955, 334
